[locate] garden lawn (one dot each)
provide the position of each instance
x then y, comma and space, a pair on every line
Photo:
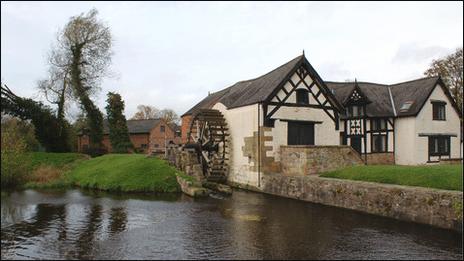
447, 177
125, 172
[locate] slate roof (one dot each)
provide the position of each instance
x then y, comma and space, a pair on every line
255, 90
135, 126
416, 91
259, 89
380, 105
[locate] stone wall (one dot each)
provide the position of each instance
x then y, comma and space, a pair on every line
387, 158
305, 160
450, 161
440, 208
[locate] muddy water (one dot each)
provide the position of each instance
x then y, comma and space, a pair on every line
87, 225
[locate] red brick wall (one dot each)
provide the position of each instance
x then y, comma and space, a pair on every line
159, 139
185, 127
150, 139
82, 141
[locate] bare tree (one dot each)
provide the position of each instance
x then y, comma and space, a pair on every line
145, 112
169, 115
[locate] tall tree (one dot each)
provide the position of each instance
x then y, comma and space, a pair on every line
450, 68
145, 112
85, 51
119, 134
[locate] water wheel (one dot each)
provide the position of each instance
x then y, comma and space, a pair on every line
208, 134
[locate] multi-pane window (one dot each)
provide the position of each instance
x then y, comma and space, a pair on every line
439, 111
379, 143
162, 128
143, 146
355, 111
302, 96
378, 124
439, 145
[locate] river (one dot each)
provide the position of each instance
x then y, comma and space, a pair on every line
96, 225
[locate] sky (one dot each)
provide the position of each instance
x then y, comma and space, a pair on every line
171, 54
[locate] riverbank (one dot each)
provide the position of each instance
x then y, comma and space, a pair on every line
439, 208
112, 172
448, 177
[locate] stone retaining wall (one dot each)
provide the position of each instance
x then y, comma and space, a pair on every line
440, 208
387, 158
304, 160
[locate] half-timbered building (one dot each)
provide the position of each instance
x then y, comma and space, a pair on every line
292, 106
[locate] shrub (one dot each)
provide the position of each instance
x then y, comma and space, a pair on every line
14, 159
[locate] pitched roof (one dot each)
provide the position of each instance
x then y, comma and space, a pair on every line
135, 126
250, 91
380, 105
415, 91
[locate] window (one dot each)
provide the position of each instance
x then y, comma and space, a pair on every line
143, 146
379, 143
355, 111
439, 111
156, 145
378, 124
406, 105
302, 96
162, 128
439, 145
178, 134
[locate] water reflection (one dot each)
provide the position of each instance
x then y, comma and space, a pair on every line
96, 225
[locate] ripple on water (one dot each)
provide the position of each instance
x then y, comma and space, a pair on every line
76, 225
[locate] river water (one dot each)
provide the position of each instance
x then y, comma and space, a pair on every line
95, 225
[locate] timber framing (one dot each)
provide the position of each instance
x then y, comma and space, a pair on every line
316, 88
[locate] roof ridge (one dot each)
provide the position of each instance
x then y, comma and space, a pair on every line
382, 84
249, 80
419, 79
143, 119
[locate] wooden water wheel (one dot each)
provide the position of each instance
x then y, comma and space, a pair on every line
208, 134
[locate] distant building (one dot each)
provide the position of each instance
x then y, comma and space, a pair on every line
147, 136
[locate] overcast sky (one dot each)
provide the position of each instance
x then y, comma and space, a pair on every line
170, 54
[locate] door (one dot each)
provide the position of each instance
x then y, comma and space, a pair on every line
356, 143
300, 133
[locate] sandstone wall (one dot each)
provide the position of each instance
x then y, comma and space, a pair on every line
387, 158
305, 160
440, 208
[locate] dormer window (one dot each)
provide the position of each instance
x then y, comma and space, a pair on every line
355, 111
302, 96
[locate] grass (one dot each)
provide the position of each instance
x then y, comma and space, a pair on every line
447, 177
58, 160
126, 173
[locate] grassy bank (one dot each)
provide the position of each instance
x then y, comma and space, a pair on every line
125, 172
58, 160
438, 176
112, 172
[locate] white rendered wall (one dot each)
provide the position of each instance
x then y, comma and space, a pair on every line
426, 124
412, 149
242, 122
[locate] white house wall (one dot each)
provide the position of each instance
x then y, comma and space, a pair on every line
426, 124
242, 122
410, 149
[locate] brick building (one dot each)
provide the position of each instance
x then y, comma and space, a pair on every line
147, 136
